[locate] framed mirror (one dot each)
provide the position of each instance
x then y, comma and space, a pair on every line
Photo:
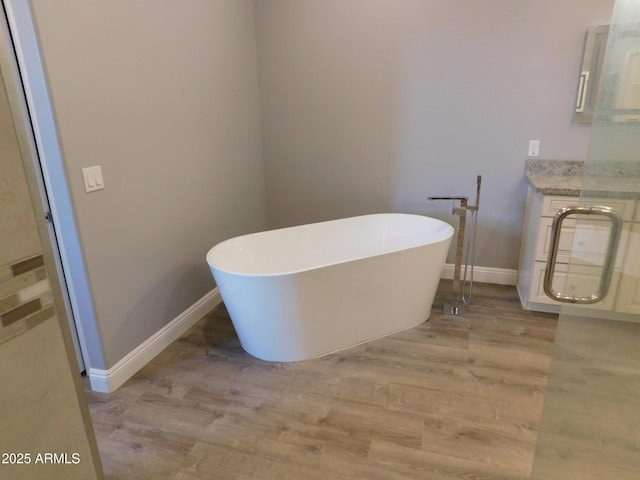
620, 87
593, 57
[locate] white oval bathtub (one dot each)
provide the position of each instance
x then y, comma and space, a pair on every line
301, 292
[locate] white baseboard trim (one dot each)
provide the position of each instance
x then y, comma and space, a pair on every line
499, 276
109, 380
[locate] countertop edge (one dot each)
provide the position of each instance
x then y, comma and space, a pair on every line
567, 185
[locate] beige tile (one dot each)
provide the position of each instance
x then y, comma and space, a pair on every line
5, 272
9, 303
15, 284
27, 265
20, 235
34, 291
20, 312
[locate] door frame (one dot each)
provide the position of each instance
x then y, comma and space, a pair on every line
29, 77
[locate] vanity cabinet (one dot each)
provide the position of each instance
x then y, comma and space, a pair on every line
629, 290
586, 241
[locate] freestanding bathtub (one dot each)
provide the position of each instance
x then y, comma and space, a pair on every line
302, 292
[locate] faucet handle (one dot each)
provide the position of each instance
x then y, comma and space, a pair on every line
448, 198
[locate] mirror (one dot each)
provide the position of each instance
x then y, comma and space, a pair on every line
619, 88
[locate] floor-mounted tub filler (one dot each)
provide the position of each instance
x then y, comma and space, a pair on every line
458, 298
302, 292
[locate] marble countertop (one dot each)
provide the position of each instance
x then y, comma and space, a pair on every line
558, 177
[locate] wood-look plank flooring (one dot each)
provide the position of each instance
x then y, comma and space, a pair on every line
454, 398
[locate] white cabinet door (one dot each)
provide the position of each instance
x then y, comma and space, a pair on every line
629, 289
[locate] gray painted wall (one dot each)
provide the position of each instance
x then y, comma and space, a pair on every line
372, 105
353, 106
163, 95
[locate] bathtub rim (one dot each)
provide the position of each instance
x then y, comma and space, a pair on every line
211, 264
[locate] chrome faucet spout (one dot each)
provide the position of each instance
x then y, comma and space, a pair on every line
448, 198
461, 210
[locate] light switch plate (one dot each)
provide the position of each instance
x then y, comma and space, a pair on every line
92, 178
534, 148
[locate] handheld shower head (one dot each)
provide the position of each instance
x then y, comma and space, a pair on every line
478, 183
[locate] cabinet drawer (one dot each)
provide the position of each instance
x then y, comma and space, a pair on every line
544, 240
553, 203
583, 280
586, 241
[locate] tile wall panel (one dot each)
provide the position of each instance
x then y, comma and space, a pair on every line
25, 296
